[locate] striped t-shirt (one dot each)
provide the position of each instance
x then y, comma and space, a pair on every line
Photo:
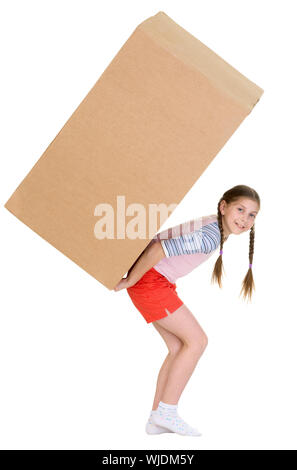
187, 245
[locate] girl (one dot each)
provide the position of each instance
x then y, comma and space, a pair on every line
150, 283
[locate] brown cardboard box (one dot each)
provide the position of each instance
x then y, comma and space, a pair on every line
146, 131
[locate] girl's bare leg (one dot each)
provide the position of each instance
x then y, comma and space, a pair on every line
179, 368
174, 345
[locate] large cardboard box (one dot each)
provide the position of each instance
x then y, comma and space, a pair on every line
143, 135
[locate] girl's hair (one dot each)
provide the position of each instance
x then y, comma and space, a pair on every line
229, 196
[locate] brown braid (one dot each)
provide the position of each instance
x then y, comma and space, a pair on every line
230, 196
248, 282
218, 267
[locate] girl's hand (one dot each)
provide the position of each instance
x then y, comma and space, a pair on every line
123, 284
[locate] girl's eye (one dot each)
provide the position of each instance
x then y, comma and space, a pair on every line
240, 209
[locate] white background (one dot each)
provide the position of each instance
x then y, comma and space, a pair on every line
79, 364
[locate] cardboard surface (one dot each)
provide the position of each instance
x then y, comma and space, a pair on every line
146, 131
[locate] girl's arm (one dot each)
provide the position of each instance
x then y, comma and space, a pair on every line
152, 255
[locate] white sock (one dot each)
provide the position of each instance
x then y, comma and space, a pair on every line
166, 416
152, 428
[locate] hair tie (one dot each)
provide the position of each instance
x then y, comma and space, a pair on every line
250, 265
221, 252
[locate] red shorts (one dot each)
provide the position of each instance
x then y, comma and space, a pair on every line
152, 294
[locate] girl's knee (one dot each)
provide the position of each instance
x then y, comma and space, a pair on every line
184, 326
174, 347
204, 342
198, 343
173, 342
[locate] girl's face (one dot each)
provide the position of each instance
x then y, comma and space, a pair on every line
238, 216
